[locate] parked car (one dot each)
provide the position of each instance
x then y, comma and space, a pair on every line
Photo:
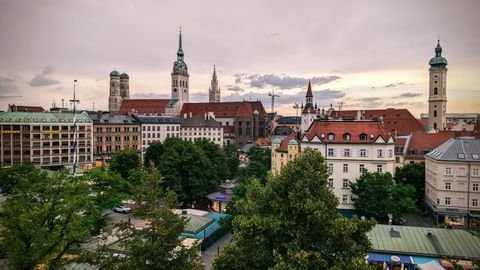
122, 209
399, 221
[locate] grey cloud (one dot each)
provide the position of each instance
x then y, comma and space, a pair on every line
404, 104
7, 84
274, 34
372, 99
398, 84
56, 89
282, 81
235, 88
410, 95
42, 79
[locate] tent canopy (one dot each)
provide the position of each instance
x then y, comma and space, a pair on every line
431, 265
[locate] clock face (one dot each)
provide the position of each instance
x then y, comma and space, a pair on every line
436, 76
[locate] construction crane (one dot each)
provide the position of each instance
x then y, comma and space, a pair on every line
296, 107
273, 96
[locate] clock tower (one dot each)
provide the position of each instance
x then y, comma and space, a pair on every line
437, 100
180, 76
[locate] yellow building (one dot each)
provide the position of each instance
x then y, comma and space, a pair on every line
283, 151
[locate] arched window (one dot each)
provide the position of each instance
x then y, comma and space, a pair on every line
435, 91
363, 137
347, 136
331, 136
435, 113
174, 90
434, 125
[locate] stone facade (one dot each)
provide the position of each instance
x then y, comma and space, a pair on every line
437, 101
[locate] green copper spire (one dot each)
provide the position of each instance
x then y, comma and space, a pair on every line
438, 60
180, 50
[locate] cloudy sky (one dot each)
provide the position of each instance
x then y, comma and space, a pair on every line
364, 54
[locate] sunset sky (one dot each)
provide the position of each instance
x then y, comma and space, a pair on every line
365, 54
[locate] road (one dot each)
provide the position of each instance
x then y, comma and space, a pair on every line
209, 254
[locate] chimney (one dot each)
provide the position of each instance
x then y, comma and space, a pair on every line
99, 114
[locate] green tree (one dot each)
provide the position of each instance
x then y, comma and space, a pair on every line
44, 217
217, 158
292, 223
125, 160
259, 164
375, 195
154, 153
233, 161
10, 176
413, 174
158, 245
187, 170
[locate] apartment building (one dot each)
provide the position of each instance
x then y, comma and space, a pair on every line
452, 182
45, 139
156, 128
195, 128
349, 148
284, 151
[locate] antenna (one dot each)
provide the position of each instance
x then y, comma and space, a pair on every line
340, 105
272, 94
296, 107
74, 101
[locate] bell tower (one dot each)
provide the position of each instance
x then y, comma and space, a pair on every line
180, 77
437, 100
214, 90
114, 99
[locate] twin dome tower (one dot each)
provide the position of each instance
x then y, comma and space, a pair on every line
120, 90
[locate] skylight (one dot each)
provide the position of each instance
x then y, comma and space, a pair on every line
475, 156
461, 155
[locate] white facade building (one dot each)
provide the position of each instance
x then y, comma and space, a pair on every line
452, 181
196, 128
349, 147
157, 129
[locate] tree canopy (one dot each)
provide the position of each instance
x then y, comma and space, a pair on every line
259, 164
375, 195
232, 160
44, 216
153, 154
292, 222
413, 174
158, 245
125, 160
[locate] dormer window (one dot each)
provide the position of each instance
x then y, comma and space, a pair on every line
347, 137
331, 136
363, 137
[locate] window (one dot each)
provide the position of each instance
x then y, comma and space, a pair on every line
380, 153
390, 153
475, 172
363, 137
344, 199
474, 202
475, 187
345, 168
345, 183
448, 186
447, 200
346, 152
330, 167
362, 168
347, 136
330, 182
331, 152
379, 168
435, 91
435, 113
363, 152
331, 136
461, 172
448, 171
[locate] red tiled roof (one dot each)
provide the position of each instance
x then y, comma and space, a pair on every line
399, 121
309, 90
400, 141
144, 105
423, 122
421, 143
284, 144
225, 109
321, 129
262, 141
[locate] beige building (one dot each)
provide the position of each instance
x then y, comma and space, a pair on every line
349, 148
284, 151
45, 139
196, 128
437, 100
452, 181
114, 132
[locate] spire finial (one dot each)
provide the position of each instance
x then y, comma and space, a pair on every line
180, 39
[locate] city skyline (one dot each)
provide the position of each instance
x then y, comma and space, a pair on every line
366, 55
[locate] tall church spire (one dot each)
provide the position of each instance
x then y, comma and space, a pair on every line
180, 49
214, 90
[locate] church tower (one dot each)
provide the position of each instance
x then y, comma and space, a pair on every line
114, 100
214, 90
124, 86
180, 77
308, 112
437, 101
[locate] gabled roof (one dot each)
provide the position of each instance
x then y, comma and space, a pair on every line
17, 108
284, 144
43, 117
224, 109
153, 106
262, 142
422, 143
399, 121
460, 149
111, 118
197, 121
371, 129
